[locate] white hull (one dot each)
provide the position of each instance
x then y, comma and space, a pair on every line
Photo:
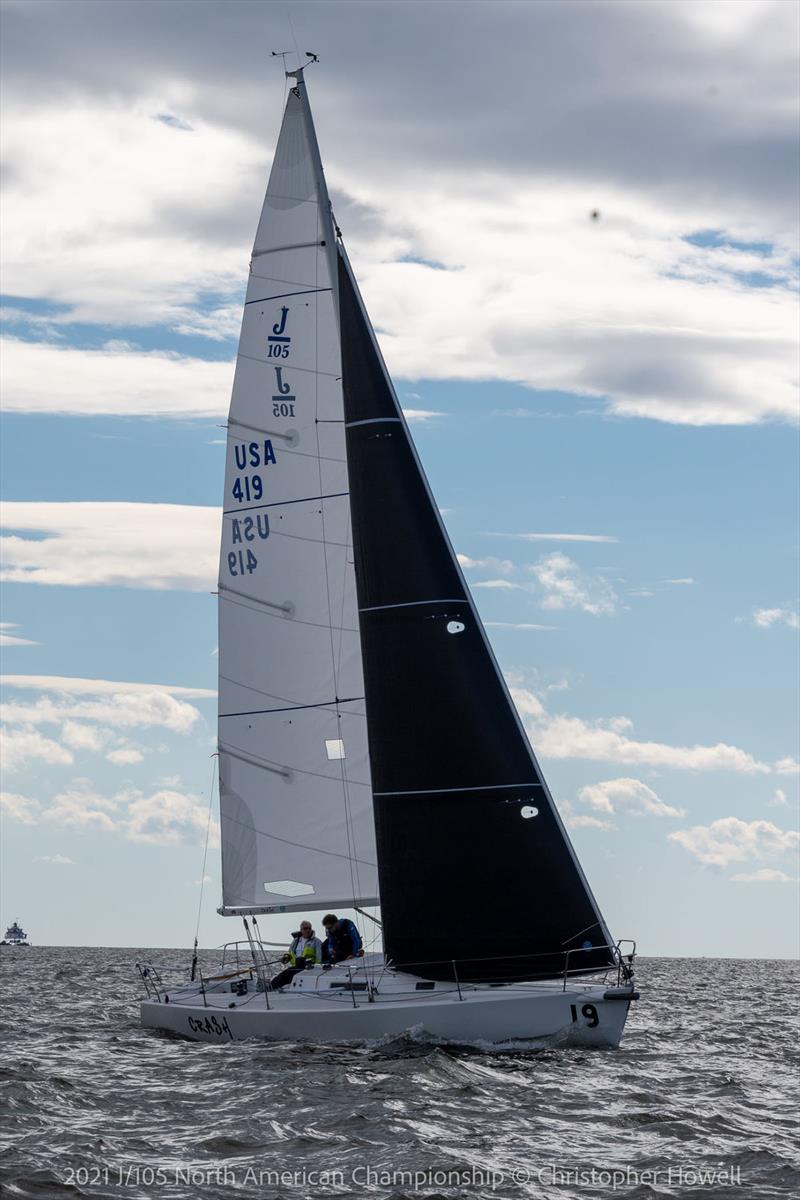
320, 1007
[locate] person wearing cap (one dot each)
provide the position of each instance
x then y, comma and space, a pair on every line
304, 951
343, 940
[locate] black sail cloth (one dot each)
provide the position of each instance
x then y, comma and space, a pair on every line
477, 877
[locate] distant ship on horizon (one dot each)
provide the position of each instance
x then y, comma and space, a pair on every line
15, 936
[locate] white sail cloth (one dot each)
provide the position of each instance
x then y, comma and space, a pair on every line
295, 794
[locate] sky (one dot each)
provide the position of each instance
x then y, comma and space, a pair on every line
575, 229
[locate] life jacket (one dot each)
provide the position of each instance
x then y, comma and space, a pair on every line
347, 930
312, 951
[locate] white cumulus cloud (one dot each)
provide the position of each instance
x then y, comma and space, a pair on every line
765, 875
166, 817
116, 381
565, 585
94, 544
633, 795
730, 840
89, 716
23, 809
766, 617
19, 746
558, 735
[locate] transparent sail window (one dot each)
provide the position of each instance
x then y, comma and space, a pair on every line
289, 887
334, 748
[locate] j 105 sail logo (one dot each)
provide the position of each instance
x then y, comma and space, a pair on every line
282, 404
279, 341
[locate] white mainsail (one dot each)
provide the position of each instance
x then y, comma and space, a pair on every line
295, 793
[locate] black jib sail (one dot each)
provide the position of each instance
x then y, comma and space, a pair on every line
477, 875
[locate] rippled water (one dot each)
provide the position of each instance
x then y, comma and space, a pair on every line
705, 1081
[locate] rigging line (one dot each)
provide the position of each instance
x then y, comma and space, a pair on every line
228, 512
215, 760
258, 712
580, 931
286, 295
486, 787
287, 842
294, 39
272, 696
305, 370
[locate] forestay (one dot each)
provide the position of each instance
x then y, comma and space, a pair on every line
295, 797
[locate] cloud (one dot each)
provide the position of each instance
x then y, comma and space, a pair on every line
565, 586
680, 582
10, 639
779, 799
503, 565
101, 544
557, 537
118, 382
167, 817
55, 859
731, 840
763, 618
608, 740
786, 766
80, 806
123, 709
418, 416
575, 820
79, 736
141, 250
125, 755
765, 875
528, 703
89, 713
631, 794
74, 685
21, 746
516, 625
498, 585
650, 309
19, 808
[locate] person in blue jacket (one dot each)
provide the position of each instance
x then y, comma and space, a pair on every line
343, 941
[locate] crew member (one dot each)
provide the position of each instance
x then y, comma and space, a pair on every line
304, 951
343, 941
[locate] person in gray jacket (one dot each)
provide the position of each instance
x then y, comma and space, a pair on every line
305, 951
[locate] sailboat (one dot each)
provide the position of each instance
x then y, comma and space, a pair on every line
369, 751
15, 936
